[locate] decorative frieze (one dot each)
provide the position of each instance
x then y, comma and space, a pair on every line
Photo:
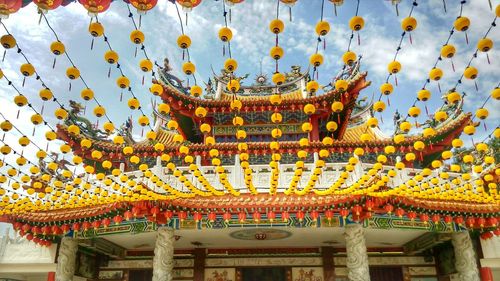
281, 261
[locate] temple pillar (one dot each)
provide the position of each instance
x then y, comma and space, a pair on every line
357, 257
163, 261
66, 259
200, 255
328, 266
465, 257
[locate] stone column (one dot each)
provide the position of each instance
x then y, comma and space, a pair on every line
465, 257
66, 259
357, 257
163, 262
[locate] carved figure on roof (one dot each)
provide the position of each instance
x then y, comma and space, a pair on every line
360, 104
396, 119
226, 76
62, 164
86, 127
166, 65
126, 130
294, 73
209, 90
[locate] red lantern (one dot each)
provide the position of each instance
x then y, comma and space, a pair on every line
314, 215
492, 222
136, 211
46, 5
357, 210
26, 228
344, 213
8, 7
400, 212
169, 215
29, 237
300, 215
36, 240
65, 228
435, 218
76, 227
197, 217
233, 2
36, 230
127, 215
242, 216
106, 222
388, 209
256, 216
95, 6
86, 225
17, 225
285, 216
424, 218
271, 215
117, 219
212, 216
486, 235
96, 224
481, 222
226, 216
155, 211
496, 231
369, 204
56, 230
459, 220
143, 6
329, 215
412, 215
182, 215
448, 219
45, 229
470, 221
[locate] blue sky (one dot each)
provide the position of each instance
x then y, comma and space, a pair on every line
251, 43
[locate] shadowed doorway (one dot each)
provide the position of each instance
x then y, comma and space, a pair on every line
264, 274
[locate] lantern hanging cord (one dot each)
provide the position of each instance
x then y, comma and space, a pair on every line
485, 101
398, 48
352, 31
224, 14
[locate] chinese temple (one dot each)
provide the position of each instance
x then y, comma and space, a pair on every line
266, 178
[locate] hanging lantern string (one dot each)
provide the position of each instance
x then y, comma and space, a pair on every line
439, 59
485, 101
23, 134
224, 14
399, 47
21, 194
459, 81
474, 55
66, 53
352, 31
10, 83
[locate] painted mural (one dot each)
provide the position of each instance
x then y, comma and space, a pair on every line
220, 274
307, 274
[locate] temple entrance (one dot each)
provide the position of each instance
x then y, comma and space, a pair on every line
264, 274
140, 275
384, 273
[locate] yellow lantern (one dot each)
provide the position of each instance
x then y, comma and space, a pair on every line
73, 73
276, 26
307, 127
469, 130
200, 112
123, 82
133, 103
278, 78
356, 23
457, 143
230, 65
146, 65
485, 44
96, 29
99, 111
20, 100
372, 122
36, 119
322, 28
87, 94
236, 105
414, 111
111, 57
74, 130
241, 134
238, 121
436, 74
188, 68
349, 58
309, 109
304, 142
394, 67
205, 128
225, 34
8, 41
316, 59
137, 36
423, 95
440, 116
276, 52
461, 23
453, 97
276, 118
419, 145
409, 24
495, 94
341, 85
6, 126
470, 72
143, 120
337, 107
183, 41
482, 113
108, 127
196, 91
331, 126
386, 89
61, 113
312, 86
276, 133
27, 69
233, 85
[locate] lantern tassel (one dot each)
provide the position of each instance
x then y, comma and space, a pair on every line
47, 147
444, 6
388, 101
396, 79
466, 38
40, 18
142, 132
397, 10
121, 96
92, 44
488, 58
109, 72
4, 53
411, 40
439, 87
183, 54
452, 66
54, 63
33, 134
24, 81
324, 44
140, 21
223, 50
43, 107
142, 79
335, 9
18, 111
484, 125
230, 15
70, 86
186, 19
359, 39
491, 7
135, 52
290, 12
426, 110
475, 84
